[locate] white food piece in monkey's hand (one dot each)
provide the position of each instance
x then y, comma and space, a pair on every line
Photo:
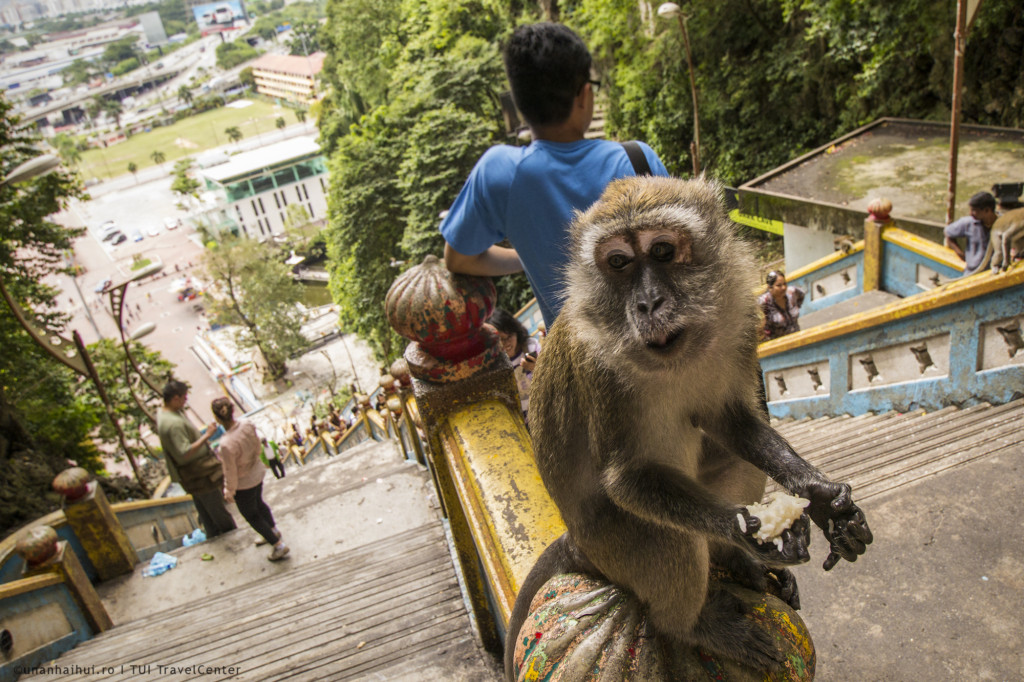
776, 516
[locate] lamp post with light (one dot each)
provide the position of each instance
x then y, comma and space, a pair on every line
669, 10
71, 353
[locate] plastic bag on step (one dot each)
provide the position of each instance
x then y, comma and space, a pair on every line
194, 538
160, 563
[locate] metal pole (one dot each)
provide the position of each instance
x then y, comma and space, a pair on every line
109, 408
959, 38
88, 313
695, 147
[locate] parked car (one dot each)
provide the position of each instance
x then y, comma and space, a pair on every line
136, 235
153, 231
170, 223
120, 238
101, 286
113, 234
107, 228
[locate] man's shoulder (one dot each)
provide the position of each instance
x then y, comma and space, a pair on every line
961, 226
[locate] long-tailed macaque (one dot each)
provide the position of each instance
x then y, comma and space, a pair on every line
648, 423
1006, 241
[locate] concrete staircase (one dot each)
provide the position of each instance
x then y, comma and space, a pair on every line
368, 592
880, 453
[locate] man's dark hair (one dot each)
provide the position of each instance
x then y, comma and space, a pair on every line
982, 200
546, 65
172, 389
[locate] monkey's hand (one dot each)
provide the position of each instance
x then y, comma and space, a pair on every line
787, 549
832, 509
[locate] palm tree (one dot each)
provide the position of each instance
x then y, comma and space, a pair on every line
67, 149
233, 133
133, 169
158, 157
301, 115
280, 124
185, 95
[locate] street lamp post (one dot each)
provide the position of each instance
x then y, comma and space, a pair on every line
671, 9
71, 353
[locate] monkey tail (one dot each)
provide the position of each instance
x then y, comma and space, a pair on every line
561, 556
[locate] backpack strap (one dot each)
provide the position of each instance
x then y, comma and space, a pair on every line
637, 158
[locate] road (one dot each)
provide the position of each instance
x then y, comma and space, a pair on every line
139, 207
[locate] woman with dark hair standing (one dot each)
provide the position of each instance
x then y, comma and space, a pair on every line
521, 349
239, 451
781, 306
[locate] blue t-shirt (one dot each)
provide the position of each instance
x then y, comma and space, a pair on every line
528, 195
977, 241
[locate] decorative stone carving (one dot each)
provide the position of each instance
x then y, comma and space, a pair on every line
37, 545
72, 483
444, 315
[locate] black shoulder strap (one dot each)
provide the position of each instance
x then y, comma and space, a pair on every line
637, 158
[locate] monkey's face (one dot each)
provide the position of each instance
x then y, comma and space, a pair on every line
653, 265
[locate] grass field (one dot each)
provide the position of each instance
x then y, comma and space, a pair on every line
187, 137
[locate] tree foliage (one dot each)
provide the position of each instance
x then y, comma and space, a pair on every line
42, 425
412, 101
254, 291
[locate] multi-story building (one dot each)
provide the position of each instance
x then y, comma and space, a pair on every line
289, 77
257, 188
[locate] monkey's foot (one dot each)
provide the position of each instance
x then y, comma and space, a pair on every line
726, 627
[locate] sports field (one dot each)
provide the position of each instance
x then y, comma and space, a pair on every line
187, 137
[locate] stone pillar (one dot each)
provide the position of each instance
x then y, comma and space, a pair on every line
455, 360
44, 554
878, 219
95, 524
403, 378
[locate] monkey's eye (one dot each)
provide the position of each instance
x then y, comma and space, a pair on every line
663, 251
618, 261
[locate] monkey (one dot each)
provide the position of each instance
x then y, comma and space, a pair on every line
649, 428
1006, 241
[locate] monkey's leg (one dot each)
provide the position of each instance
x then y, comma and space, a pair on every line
687, 610
561, 556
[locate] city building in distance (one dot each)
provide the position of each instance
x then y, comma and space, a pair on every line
256, 188
288, 77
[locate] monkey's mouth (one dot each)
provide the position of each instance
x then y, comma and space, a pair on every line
662, 342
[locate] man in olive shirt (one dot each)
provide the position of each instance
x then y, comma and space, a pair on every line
191, 462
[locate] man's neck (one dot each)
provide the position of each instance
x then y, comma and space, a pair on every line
557, 133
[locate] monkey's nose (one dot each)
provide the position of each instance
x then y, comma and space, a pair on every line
648, 306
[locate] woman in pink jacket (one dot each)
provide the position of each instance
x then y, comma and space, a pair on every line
239, 452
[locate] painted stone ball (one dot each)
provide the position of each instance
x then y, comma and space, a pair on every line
581, 628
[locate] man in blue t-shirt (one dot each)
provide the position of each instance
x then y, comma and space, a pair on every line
527, 195
975, 228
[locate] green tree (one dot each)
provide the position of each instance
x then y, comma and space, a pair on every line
245, 77
42, 424
157, 156
254, 290
185, 95
231, 54
133, 168
67, 149
233, 133
115, 372
279, 122
300, 115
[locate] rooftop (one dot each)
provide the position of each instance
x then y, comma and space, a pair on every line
272, 155
901, 160
291, 64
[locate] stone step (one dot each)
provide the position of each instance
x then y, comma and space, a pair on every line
824, 436
352, 616
891, 451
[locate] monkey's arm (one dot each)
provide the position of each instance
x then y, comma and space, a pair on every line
832, 508
663, 495
495, 261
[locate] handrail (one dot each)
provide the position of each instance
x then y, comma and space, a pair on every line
954, 292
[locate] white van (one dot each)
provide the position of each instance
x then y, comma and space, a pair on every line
170, 223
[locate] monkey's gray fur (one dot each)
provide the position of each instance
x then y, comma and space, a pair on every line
1006, 241
648, 423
